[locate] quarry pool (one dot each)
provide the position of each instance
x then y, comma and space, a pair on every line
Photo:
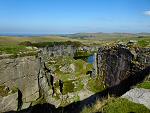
91, 59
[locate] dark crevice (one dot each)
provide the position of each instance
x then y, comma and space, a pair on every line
20, 102
61, 86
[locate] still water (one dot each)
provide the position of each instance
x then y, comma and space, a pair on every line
91, 59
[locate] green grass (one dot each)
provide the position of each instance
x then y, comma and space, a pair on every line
115, 105
68, 87
80, 67
96, 85
50, 44
124, 106
145, 85
17, 51
12, 49
12, 40
78, 85
82, 54
143, 43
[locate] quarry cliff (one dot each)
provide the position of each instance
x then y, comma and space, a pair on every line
54, 75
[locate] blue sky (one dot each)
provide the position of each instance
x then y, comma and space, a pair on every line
72, 16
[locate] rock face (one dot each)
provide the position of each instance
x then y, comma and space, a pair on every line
141, 96
59, 50
119, 62
143, 56
114, 64
25, 80
9, 102
20, 74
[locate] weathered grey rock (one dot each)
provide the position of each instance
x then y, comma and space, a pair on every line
138, 95
114, 64
9, 103
59, 50
21, 73
26, 105
68, 68
143, 56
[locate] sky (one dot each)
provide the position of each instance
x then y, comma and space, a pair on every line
74, 16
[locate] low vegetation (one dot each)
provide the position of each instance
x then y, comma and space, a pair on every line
96, 84
143, 43
12, 49
145, 85
50, 44
3, 91
68, 87
113, 105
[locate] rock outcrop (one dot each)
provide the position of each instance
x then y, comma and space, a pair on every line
114, 64
25, 80
9, 102
143, 56
19, 74
138, 95
117, 63
58, 50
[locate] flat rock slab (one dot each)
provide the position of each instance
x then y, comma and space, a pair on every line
138, 95
9, 103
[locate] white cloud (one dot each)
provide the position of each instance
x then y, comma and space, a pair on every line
147, 13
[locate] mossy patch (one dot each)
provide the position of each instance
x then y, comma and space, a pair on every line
64, 71
68, 87
40, 100
3, 91
78, 85
145, 85
14, 89
96, 84
82, 53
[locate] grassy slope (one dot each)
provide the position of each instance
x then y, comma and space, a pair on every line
118, 105
9, 44
9, 40
99, 39
125, 106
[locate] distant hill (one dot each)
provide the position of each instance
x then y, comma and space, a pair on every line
105, 35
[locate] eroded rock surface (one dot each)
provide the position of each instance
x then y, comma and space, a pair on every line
138, 95
9, 103
28, 79
117, 63
114, 64
20, 73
